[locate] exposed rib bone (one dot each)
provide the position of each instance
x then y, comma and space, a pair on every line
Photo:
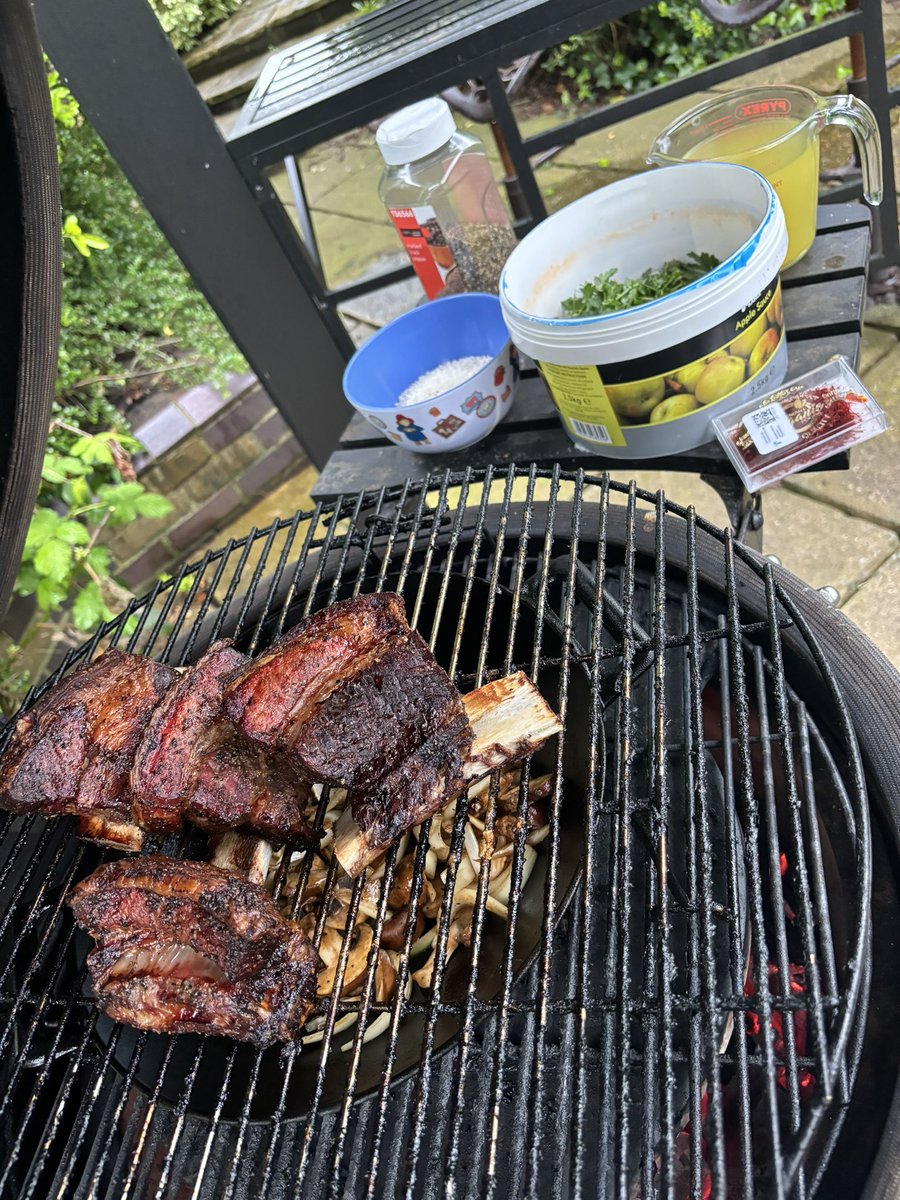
247, 855
510, 720
109, 829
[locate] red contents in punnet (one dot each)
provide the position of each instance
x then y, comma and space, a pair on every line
814, 413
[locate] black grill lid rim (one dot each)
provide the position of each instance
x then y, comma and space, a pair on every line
31, 271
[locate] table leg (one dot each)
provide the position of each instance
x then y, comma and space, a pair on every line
743, 508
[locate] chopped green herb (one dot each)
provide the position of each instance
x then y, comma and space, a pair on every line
605, 293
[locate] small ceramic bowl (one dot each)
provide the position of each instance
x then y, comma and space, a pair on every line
455, 327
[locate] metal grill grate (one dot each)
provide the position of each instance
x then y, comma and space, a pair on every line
673, 1005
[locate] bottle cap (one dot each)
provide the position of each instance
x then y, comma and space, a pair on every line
415, 132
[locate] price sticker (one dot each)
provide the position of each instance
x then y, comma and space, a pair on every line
770, 428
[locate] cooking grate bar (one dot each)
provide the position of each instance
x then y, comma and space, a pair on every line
501, 1029
704, 916
456, 845
747, 799
829, 992
539, 1068
593, 793
736, 953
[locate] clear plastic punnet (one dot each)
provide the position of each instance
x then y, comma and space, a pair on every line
800, 424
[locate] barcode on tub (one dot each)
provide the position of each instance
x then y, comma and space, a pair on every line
597, 433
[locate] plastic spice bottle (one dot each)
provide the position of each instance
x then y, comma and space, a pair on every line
441, 196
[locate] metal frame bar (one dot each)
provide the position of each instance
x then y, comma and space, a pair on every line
136, 93
312, 123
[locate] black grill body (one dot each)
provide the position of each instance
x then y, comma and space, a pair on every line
675, 1004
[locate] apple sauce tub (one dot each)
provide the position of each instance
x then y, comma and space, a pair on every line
647, 381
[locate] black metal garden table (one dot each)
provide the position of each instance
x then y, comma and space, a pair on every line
824, 298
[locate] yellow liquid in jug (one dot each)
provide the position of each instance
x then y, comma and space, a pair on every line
792, 168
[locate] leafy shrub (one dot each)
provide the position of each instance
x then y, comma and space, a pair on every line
127, 304
130, 310
185, 20
663, 42
86, 484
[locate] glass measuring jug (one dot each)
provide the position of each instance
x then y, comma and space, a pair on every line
775, 130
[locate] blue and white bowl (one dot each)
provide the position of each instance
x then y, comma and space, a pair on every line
461, 326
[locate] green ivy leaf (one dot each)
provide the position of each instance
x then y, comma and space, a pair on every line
74, 533
43, 526
80, 492
98, 558
153, 505
54, 560
122, 500
93, 449
50, 471
26, 580
49, 594
88, 609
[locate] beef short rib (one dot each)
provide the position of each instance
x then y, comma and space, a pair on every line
185, 947
177, 732
72, 751
192, 764
355, 698
272, 699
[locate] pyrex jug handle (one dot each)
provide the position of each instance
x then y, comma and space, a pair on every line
860, 120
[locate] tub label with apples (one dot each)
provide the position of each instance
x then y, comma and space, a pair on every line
733, 360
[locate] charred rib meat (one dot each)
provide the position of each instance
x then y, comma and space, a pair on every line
176, 734
191, 764
241, 786
379, 717
279, 691
72, 751
184, 947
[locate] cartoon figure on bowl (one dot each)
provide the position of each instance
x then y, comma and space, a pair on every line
471, 403
499, 375
411, 430
486, 406
505, 394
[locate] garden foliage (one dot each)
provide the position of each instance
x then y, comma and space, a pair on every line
660, 43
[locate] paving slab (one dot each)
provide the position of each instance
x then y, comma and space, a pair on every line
871, 488
561, 184
349, 247
876, 344
883, 316
378, 308
875, 606
282, 501
252, 20
624, 147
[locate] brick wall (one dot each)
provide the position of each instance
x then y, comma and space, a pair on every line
211, 475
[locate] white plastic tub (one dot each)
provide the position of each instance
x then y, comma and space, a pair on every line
707, 347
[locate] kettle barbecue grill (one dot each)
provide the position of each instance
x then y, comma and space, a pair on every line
693, 994
677, 1001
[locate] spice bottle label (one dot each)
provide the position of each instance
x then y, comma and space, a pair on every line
424, 240
581, 399
770, 428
